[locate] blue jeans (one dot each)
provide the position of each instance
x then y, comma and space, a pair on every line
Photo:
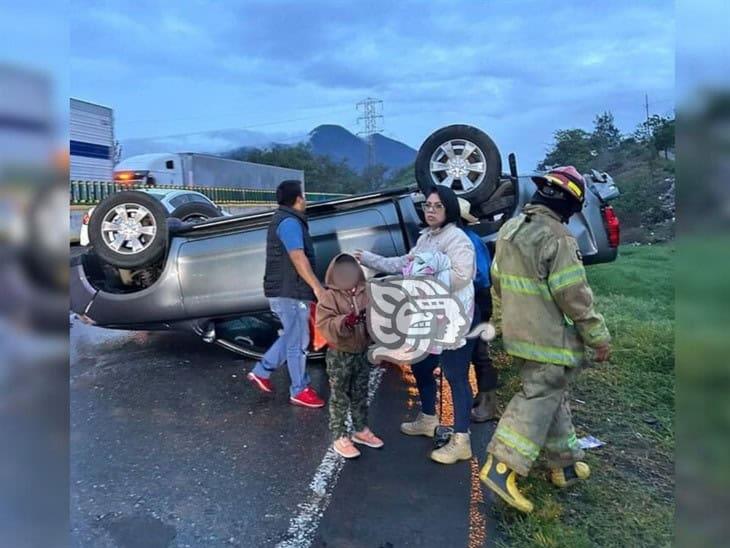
291, 346
455, 367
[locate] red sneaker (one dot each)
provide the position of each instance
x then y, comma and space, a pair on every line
307, 398
261, 383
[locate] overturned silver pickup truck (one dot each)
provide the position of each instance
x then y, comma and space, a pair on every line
146, 272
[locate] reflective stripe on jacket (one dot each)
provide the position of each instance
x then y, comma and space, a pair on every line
547, 305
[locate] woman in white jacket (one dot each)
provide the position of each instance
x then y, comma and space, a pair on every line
442, 235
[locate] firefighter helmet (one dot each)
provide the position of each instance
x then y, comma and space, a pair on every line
564, 178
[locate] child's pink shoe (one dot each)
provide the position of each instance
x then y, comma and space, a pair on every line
366, 437
344, 447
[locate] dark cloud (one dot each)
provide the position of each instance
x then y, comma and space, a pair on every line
507, 64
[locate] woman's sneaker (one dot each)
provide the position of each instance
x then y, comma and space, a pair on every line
424, 425
345, 448
458, 448
307, 398
366, 437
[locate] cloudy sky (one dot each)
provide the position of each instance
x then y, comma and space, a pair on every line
519, 70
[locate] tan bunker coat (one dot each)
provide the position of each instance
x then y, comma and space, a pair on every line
547, 319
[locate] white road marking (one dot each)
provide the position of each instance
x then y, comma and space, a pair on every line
303, 526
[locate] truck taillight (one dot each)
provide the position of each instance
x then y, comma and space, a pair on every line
85, 219
613, 226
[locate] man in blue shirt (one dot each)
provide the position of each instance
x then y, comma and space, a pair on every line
290, 285
485, 402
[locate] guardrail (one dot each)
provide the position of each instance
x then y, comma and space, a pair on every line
93, 192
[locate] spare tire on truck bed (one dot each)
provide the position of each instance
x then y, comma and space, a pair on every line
129, 229
461, 157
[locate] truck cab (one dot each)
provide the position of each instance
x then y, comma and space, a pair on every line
163, 168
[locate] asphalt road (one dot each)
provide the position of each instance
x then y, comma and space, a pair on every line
170, 446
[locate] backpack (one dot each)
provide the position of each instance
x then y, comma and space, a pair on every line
483, 260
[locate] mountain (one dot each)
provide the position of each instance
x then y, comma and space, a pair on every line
338, 143
333, 141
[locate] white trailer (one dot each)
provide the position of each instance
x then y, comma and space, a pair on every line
91, 142
193, 169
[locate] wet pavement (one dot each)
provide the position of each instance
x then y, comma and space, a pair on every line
170, 446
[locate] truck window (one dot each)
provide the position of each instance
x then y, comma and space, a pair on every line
170, 164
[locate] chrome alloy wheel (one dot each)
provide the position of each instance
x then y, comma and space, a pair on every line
128, 229
458, 164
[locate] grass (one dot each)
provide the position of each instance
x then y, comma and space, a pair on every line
629, 404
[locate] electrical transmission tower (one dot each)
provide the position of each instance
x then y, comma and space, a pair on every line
372, 119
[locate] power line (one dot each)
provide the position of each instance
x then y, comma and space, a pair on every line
372, 120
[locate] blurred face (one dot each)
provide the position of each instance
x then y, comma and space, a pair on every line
346, 275
434, 211
301, 203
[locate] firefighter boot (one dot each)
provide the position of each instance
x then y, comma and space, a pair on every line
568, 475
503, 482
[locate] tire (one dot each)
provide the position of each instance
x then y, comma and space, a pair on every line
195, 212
476, 185
144, 241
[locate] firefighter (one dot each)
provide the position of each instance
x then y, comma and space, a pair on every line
548, 319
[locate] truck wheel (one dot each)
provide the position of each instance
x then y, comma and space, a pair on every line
461, 157
195, 212
129, 229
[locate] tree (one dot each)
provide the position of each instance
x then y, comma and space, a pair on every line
605, 133
375, 176
571, 147
404, 177
658, 133
321, 174
664, 135
631, 160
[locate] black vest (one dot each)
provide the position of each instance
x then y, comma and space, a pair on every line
281, 278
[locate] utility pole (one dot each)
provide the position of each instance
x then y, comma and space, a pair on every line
372, 119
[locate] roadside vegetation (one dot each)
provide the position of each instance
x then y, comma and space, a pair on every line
641, 163
628, 404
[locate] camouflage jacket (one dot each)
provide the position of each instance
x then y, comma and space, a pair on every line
547, 305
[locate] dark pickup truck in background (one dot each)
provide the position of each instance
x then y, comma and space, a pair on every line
145, 272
